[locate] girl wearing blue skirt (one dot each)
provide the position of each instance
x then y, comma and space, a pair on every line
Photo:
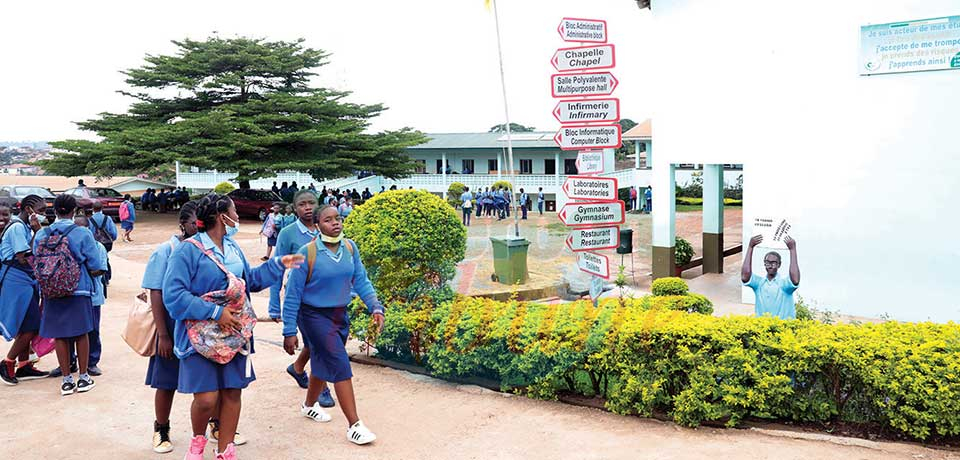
316, 303
163, 371
19, 296
69, 319
191, 273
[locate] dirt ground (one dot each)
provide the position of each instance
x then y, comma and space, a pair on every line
414, 417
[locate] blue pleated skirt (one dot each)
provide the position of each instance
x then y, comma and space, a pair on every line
66, 317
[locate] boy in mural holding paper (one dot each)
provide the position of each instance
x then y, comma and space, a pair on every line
774, 294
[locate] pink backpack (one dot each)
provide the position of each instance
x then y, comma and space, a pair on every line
56, 269
124, 211
206, 336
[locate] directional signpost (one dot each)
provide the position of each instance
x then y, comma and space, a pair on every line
583, 30
589, 137
594, 211
586, 214
590, 162
593, 239
594, 264
588, 111
584, 58
602, 189
583, 84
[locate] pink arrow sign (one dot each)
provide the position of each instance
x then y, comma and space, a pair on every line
589, 137
588, 110
584, 58
583, 84
593, 238
590, 162
595, 264
585, 214
583, 30
590, 188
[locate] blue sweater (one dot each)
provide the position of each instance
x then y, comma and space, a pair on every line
103, 222
191, 274
289, 241
334, 277
84, 250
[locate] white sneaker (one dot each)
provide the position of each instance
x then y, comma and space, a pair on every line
360, 435
315, 412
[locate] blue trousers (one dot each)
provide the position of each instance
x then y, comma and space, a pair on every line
524, 209
96, 347
540, 207
467, 212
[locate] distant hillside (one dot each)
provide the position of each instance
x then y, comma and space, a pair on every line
36, 145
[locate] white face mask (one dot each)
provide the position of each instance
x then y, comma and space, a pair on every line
331, 239
232, 230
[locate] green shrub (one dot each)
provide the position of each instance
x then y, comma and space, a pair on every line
683, 252
669, 286
410, 241
224, 188
696, 368
453, 194
501, 184
684, 200
690, 303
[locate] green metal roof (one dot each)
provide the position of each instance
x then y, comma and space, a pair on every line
539, 140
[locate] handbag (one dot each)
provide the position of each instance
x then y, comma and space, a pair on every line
206, 336
140, 333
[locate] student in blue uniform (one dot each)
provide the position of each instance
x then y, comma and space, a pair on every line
128, 215
191, 274
19, 297
69, 319
316, 304
163, 371
98, 298
102, 227
290, 240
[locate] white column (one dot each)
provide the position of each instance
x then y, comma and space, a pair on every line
499, 165
636, 152
556, 168
713, 198
664, 205
649, 145
176, 165
443, 170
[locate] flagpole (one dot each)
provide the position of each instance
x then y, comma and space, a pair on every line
506, 115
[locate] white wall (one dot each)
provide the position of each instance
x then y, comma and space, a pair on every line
865, 168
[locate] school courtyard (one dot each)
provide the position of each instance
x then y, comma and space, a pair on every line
414, 417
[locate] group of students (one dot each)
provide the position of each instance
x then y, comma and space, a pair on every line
164, 200
282, 216
495, 202
323, 270
53, 281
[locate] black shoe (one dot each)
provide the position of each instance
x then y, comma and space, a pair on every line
8, 374
68, 388
56, 372
85, 385
29, 372
94, 371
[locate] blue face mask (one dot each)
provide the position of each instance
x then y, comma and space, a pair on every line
232, 230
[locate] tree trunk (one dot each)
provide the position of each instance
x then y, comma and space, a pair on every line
244, 184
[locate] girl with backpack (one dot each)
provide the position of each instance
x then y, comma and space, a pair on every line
66, 260
19, 297
318, 294
127, 217
163, 371
269, 230
206, 290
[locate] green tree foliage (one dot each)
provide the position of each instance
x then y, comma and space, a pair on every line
627, 148
453, 193
514, 128
243, 105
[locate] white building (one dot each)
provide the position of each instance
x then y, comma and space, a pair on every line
864, 168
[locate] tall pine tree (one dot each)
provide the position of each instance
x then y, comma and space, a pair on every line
243, 105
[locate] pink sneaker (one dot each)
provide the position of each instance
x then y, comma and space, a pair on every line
197, 445
230, 453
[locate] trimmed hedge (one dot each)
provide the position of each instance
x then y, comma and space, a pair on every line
643, 359
669, 286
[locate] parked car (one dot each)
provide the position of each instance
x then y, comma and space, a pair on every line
11, 195
110, 198
254, 203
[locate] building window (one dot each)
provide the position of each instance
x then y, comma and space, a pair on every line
467, 167
440, 167
421, 166
549, 166
526, 166
492, 166
570, 166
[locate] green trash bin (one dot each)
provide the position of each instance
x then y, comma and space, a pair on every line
510, 260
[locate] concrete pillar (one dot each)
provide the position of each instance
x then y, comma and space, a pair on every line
649, 145
713, 218
664, 210
499, 165
556, 168
636, 153
443, 169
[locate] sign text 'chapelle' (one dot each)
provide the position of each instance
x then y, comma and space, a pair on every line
584, 58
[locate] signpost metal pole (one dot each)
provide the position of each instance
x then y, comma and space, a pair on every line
506, 115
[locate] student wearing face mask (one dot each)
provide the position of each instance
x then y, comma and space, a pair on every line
318, 293
212, 263
19, 294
